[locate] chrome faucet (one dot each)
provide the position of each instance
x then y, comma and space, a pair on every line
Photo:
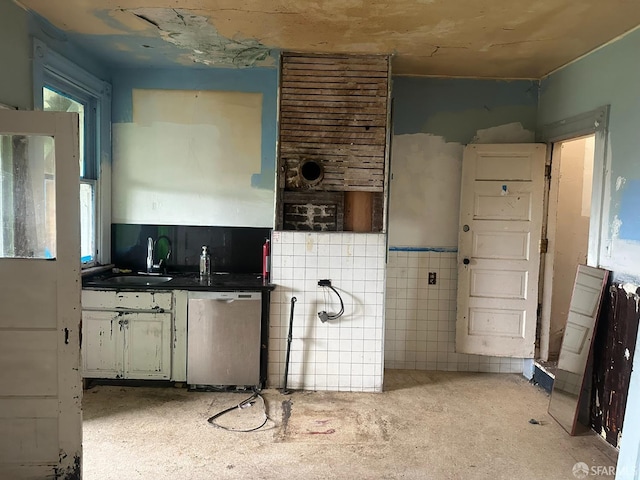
162, 263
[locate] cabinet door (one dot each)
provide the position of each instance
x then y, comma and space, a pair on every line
147, 346
102, 334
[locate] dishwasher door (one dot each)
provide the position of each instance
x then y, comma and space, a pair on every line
223, 338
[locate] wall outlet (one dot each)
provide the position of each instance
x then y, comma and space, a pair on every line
432, 278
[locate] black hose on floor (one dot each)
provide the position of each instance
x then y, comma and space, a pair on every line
243, 404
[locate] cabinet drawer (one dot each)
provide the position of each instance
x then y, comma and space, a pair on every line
114, 300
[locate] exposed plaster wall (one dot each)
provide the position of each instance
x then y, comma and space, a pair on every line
212, 147
433, 120
15, 53
188, 157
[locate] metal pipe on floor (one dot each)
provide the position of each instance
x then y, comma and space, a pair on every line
289, 339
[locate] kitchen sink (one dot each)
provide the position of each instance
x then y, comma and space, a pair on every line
142, 280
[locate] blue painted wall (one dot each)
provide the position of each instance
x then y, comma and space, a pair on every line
455, 108
253, 80
609, 76
68, 46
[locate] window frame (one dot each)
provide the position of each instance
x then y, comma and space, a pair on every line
57, 73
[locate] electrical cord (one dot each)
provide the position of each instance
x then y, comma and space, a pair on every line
324, 316
248, 402
339, 314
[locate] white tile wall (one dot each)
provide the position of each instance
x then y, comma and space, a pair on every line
420, 325
344, 354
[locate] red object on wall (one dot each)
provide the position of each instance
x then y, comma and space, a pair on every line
266, 258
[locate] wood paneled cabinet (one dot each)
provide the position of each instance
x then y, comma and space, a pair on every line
126, 337
130, 345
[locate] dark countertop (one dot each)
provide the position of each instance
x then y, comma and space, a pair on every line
182, 281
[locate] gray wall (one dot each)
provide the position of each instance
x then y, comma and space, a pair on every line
15, 57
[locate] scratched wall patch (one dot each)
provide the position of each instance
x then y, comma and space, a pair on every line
203, 41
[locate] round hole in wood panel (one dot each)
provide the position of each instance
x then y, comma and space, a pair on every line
311, 172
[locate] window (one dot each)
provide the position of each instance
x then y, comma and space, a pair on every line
62, 86
56, 101
27, 197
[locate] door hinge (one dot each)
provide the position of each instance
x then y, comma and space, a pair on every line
547, 171
544, 245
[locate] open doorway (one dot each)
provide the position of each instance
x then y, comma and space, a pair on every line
568, 226
591, 125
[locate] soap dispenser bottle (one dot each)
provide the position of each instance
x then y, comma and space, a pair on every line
205, 263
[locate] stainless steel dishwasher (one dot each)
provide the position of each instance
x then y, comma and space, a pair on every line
223, 338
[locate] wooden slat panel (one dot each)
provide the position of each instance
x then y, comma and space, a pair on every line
333, 110
310, 102
332, 95
333, 149
293, 127
336, 59
346, 56
306, 83
330, 123
341, 66
351, 109
340, 166
335, 74
363, 138
363, 118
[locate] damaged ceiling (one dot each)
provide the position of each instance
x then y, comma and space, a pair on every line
469, 38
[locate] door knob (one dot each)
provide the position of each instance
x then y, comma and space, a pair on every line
465, 228
466, 261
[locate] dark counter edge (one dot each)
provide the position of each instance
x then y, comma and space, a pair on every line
181, 281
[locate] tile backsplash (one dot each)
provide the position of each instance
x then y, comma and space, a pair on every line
345, 354
233, 249
420, 319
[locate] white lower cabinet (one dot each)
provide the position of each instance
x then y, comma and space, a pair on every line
126, 344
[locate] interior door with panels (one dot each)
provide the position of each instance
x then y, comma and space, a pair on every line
40, 384
499, 249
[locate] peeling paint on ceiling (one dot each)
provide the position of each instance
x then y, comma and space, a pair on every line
472, 38
205, 44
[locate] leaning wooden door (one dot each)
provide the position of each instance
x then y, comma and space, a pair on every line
499, 249
40, 383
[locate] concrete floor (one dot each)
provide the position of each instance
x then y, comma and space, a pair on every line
426, 425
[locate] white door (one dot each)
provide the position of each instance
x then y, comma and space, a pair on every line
40, 384
581, 319
498, 249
